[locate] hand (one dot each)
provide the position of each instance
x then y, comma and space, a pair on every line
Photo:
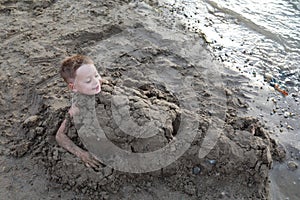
89, 159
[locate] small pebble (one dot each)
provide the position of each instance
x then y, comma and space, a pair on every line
223, 194
268, 77
292, 165
196, 170
286, 114
212, 162
294, 95
31, 119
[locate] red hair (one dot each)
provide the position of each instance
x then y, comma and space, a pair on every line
71, 64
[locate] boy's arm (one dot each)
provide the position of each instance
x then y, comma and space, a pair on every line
64, 141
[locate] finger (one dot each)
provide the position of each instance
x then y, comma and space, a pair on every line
94, 158
93, 165
90, 164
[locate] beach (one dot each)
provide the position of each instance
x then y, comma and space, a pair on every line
213, 122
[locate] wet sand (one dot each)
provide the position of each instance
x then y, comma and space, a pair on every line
161, 68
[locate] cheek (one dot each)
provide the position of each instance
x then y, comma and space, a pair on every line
90, 86
85, 86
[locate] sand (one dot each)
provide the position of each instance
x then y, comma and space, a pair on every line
158, 72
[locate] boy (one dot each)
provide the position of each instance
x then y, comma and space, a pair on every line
82, 77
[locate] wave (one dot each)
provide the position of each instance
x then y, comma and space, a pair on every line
248, 23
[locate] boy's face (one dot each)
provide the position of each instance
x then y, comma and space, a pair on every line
87, 81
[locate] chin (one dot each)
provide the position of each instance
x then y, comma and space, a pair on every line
97, 92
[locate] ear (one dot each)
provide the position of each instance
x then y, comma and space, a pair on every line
71, 86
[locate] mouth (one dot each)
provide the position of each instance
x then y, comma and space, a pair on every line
97, 88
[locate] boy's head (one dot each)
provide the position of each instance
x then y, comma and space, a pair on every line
81, 75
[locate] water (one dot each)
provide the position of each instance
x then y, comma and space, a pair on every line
252, 36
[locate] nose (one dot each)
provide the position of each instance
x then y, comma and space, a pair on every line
101, 80
95, 81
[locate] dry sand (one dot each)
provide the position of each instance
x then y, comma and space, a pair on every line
161, 69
